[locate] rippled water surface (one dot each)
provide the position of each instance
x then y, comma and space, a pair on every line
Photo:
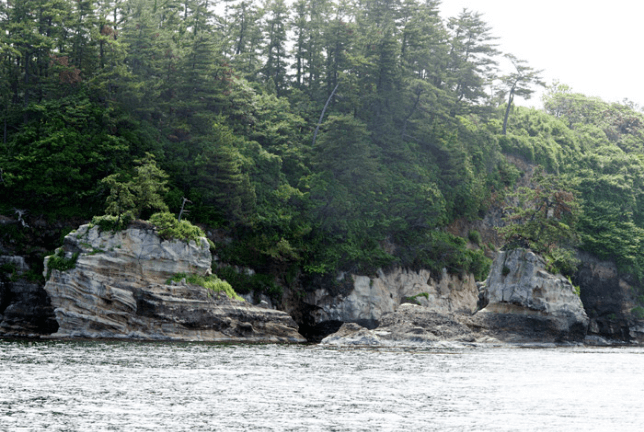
118, 386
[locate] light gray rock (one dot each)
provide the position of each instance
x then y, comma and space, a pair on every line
410, 326
595, 340
261, 300
527, 306
519, 286
353, 334
117, 290
370, 298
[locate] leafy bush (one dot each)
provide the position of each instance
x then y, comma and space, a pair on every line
414, 299
638, 312
561, 260
475, 237
479, 265
542, 218
10, 269
111, 223
577, 288
212, 283
170, 228
143, 193
437, 250
59, 262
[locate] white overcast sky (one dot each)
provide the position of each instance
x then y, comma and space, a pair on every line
593, 46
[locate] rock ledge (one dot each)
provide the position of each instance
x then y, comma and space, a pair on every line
117, 290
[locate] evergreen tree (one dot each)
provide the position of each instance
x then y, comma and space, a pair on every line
518, 83
275, 52
141, 35
246, 37
218, 176
472, 62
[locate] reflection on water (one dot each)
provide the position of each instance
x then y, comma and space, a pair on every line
118, 386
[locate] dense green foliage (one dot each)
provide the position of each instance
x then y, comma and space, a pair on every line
98, 99
212, 283
170, 228
58, 261
543, 218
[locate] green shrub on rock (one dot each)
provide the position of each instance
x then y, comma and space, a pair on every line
561, 260
475, 237
111, 222
58, 261
170, 228
212, 283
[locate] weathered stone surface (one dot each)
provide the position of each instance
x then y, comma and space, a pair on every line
371, 298
609, 298
25, 309
137, 255
409, 325
526, 305
117, 290
520, 289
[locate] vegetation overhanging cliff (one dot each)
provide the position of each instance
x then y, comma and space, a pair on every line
228, 105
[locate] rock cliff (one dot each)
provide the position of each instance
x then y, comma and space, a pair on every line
609, 298
525, 304
25, 309
117, 289
366, 300
519, 286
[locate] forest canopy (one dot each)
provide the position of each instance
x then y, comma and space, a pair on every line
227, 97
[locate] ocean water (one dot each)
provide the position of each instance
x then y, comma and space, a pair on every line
126, 386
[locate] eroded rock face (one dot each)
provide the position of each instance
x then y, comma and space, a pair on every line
520, 288
409, 325
609, 299
117, 290
526, 305
25, 309
365, 300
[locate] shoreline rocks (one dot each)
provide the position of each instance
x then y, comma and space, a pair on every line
25, 309
522, 297
117, 290
525, 305
366, 300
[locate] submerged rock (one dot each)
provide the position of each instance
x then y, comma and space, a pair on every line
117, 289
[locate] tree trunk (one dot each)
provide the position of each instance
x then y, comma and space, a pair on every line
317, 128
507, 111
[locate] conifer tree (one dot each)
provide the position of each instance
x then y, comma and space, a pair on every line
518, 83
275, 52
246, 38
472, 62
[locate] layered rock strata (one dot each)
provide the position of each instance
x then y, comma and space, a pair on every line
118, 289
525, 305
368, 299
